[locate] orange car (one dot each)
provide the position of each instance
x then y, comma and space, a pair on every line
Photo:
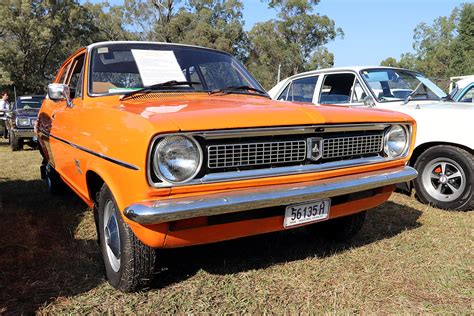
176, 145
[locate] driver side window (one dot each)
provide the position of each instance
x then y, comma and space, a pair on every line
76, 75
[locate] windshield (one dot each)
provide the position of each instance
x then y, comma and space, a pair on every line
121, 68
29, 102
396, 84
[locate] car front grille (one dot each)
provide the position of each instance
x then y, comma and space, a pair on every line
351, 146
254, 154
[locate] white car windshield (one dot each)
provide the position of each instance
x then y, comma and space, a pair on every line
397, 84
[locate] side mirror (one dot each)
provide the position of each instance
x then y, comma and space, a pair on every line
59, 92
369, 101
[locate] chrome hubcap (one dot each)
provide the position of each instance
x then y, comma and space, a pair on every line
112, 236
444, 179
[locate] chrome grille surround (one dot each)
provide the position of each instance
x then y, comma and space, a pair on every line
254, 154
352, 145
304, 132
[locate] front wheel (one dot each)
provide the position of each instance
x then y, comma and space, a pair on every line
445, 178
129, 264
15, 143
341, 228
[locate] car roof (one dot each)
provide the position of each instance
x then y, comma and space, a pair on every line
100, 44
347, 68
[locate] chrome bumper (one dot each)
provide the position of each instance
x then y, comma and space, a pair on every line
24, 133
166, 210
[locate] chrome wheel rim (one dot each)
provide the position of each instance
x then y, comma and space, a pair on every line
444, 179
112, 235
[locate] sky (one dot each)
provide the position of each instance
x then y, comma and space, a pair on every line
374, 29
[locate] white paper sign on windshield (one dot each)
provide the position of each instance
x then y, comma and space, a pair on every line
157, 66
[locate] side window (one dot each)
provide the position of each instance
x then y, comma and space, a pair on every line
75, 77
62, 79
337, 88
468, 96
300, 90
358, 93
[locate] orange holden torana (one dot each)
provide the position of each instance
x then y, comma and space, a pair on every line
205, 155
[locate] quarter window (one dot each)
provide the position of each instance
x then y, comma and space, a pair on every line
300, 90
468, 96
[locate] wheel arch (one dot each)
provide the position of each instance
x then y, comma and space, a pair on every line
425, 146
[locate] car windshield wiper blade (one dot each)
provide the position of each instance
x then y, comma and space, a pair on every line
237, 88
158, 86
413, 93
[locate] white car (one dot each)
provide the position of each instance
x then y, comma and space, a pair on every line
444, 145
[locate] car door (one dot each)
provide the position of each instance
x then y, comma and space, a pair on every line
64, 127
342, 88
467, 95
299, 90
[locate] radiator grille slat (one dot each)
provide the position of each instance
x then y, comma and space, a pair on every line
352, 146
253, 154
291, 151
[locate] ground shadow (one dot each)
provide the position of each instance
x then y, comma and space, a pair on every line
259, 252
39, 257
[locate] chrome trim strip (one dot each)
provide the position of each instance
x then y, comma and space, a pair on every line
166, 210
113, 160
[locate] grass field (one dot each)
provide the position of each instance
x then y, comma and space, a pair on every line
409, 258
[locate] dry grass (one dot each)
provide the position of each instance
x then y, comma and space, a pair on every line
409, 258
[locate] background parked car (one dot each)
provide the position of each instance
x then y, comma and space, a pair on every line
21, 119
444, 146
463, 90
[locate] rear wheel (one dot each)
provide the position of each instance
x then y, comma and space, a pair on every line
445, 178
15, 143
129, 264
341, 228
56, 185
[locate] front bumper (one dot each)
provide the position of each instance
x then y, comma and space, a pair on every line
167, 210
24, 133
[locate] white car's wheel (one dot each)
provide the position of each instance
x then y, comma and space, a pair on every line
445, 178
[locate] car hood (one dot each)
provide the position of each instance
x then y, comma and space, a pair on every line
203, 112
26, 112
428, 105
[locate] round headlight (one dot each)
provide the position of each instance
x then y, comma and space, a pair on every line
22, 121
177, 159
396, 141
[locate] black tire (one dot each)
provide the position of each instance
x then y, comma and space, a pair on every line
56, 185
340, 229
15, 143
425, 187
136, 265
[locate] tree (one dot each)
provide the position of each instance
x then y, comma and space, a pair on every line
36, 38
443, 49
294, 40
212, 23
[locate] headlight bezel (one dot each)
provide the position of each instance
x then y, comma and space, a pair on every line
153, 163
24, 119
407, 131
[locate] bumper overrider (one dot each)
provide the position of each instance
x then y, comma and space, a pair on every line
167, 210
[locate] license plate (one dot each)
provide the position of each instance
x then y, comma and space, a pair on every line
306, 212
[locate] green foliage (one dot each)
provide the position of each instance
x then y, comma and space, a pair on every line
295, 41
443, 49
37, 36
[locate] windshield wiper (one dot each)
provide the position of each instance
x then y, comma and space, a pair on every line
230, 89
158, 86
413, 93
